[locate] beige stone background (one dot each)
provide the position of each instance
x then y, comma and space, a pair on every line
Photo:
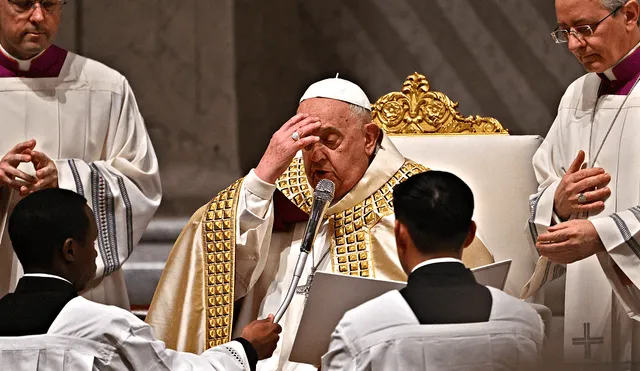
215, 78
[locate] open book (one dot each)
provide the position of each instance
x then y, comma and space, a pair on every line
343, 292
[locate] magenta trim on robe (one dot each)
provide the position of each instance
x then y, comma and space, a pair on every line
48, 64
626, 73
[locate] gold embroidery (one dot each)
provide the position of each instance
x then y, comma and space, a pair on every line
294, 185
351, 245
351, 242
219, 240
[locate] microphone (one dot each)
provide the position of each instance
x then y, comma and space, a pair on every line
322, 197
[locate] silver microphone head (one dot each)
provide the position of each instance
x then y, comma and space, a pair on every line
325, 190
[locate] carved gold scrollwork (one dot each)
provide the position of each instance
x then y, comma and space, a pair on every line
417, 110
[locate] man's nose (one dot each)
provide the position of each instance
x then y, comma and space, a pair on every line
37, 15
574, 42
316, 152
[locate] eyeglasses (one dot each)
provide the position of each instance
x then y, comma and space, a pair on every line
580, 32
49, 6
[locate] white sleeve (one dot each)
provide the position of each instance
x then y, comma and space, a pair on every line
620, 233
548, 168
339, 357
255, 215
141, 350
122, 188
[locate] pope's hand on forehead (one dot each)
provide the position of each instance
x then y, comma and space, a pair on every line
302, 124
9, 173
284, 145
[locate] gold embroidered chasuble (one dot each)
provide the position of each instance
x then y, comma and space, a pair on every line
193, 308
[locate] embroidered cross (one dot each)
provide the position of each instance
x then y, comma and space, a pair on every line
587, 340
304, 289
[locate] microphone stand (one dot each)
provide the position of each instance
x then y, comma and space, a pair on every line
321, 199
297, 272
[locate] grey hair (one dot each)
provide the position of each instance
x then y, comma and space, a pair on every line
612, 5
361, 114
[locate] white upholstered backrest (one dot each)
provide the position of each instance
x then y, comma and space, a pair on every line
51, 353
498, 169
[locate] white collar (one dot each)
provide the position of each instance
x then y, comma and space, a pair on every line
45, 275
435, 261
23, 64
609, 72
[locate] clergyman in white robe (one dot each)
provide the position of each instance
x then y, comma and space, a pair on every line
602, 299
244, 244
83, 115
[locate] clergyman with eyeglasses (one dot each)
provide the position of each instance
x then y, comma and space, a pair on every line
585, 218
70, 122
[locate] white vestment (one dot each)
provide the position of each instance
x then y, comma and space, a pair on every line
384, 334
109, 338
87, 120
600, 327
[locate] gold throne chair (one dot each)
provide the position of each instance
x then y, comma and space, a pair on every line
426, 127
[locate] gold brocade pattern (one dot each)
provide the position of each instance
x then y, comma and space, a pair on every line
294, 185
219, 240
416, 110
351, 242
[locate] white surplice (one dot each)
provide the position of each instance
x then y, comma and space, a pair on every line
384, 334
90, 336
600, 327
88, 121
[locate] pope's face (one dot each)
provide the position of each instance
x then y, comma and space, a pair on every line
345, 146
26, 33
610, 41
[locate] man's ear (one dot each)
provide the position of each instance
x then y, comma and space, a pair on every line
371, 135
630, 11
68, 251
401, 234
471, 234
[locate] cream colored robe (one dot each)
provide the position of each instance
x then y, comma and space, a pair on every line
87, 121
265, 259
598, 305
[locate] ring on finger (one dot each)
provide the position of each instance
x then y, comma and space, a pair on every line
582, 199
295, 136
